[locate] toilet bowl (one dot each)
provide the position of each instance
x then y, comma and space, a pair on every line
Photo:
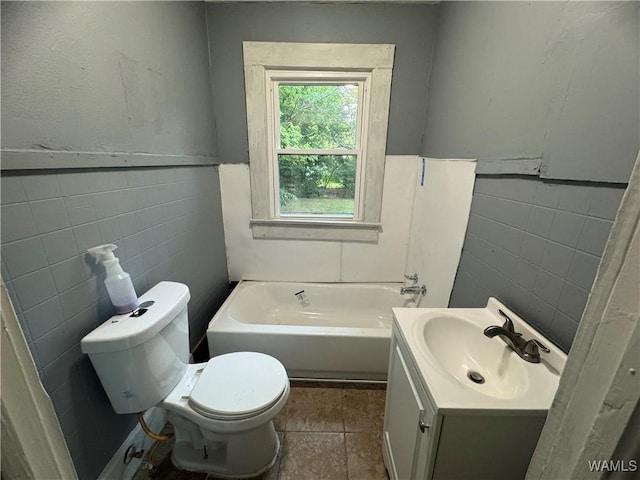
222, 411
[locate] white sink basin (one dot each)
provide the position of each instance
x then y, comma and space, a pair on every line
466, 369
460, 349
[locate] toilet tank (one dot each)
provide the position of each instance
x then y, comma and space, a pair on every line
139, 359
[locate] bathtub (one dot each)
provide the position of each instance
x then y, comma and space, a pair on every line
319, 331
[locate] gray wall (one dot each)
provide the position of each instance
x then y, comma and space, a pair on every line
551, 80
412, 28
556, 81
110, 77
536, 246
114, 77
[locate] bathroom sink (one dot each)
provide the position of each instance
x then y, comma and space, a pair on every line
460, 349
466, 369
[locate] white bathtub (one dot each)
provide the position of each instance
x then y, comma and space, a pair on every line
343, 333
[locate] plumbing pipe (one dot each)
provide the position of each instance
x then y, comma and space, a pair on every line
148, 431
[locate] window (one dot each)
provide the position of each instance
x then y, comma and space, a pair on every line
317, 122
316, 144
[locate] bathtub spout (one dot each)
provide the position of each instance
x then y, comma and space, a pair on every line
413, 290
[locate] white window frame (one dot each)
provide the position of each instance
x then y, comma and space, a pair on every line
263, 61
275, 78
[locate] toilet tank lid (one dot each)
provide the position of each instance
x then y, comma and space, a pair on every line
122, 332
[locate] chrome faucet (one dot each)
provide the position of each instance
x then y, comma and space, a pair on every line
413, 278
413, 290
528, 350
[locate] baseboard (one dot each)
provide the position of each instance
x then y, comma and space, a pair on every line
156, 418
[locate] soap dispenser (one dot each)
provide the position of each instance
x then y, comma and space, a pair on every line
118, 282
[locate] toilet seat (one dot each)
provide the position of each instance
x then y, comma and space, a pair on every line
238, 385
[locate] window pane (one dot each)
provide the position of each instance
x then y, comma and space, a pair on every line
317, 184
318, 116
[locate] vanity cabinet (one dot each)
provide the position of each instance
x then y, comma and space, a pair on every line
423, 442
409, 427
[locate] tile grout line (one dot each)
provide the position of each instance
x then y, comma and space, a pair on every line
346, 454
344, 432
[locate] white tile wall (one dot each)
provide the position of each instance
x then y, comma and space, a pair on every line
322, 261
385, 260
439, 223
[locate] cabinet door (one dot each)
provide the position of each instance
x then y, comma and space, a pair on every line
404, 422
426, 446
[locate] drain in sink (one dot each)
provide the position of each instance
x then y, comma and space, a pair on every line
475, 377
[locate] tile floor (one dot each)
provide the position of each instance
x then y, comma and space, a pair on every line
327, 431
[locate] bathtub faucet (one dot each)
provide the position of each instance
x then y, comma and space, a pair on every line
413, 290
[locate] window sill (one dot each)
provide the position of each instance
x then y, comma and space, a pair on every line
299, 229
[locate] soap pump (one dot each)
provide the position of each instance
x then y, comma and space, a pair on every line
118, 282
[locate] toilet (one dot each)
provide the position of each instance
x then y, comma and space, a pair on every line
222, 410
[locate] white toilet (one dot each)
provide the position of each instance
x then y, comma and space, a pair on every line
222, 411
